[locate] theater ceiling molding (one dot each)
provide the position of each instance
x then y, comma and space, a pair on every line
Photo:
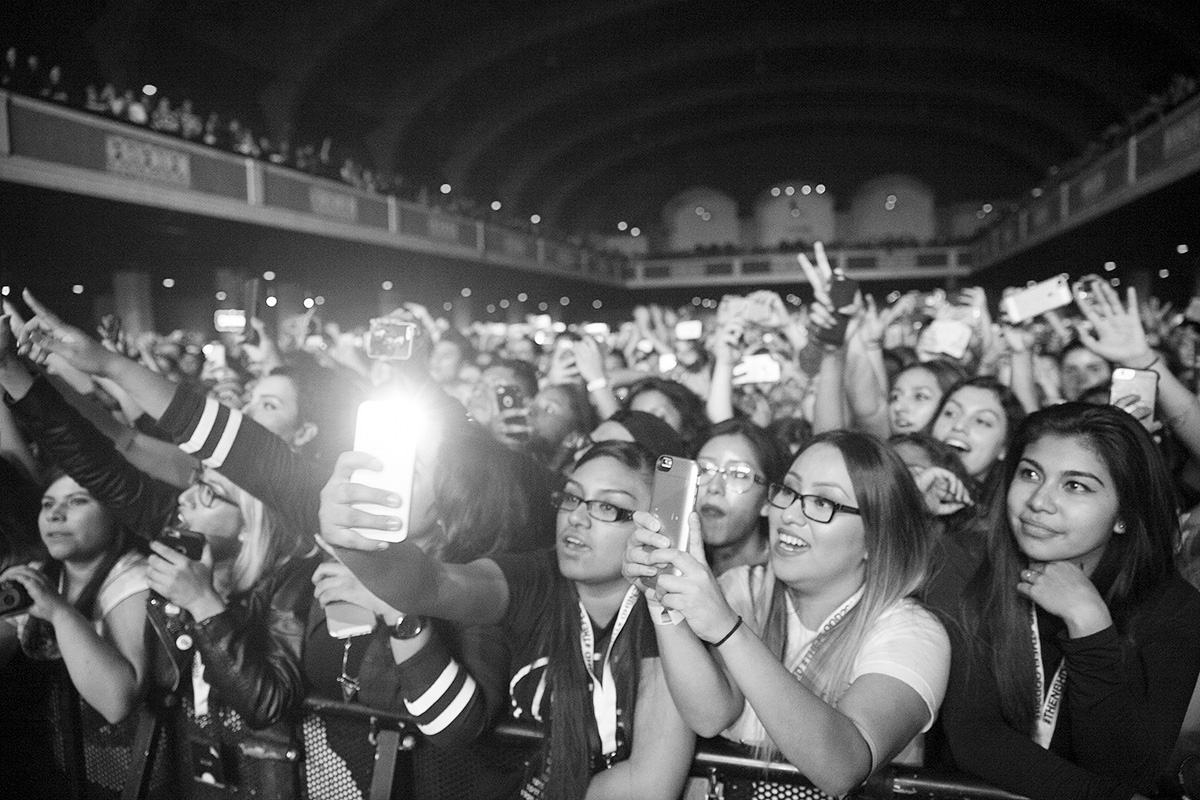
589, 112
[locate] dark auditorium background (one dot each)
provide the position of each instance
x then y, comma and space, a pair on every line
511, 146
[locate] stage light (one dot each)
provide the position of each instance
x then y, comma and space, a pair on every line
168, 283
445, 188
271, 301
269, 275
387, 286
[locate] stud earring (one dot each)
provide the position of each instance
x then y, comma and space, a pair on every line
1119, 528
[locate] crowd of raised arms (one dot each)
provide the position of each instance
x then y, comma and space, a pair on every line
922, 533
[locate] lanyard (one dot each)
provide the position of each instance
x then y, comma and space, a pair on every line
1049, 701
604, 692
830, 623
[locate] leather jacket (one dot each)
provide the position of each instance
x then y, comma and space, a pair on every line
251, 650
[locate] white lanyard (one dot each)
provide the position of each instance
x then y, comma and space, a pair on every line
830, 623
200, 687
1049, 702
604, 692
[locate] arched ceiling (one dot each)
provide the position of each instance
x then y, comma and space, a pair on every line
590, 111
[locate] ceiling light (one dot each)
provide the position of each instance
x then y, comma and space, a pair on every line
597, 304
820, 188
168, 283
535, 219
386, 286
150, 90
445, 188
1182, 249
271, 301
1109, 266
268, 275
495, 205
635, 231
308, 302
622, 225
466, 292
77, 288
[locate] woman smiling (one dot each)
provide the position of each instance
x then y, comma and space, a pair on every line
818, 656
1084, 629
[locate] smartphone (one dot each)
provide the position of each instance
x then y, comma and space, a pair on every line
390, 432
187, 543
841, 293
689, 330
391, 339
252, 300
1140, 382
672, 498
757, 368
946, 336
344, 620
229, 320
598, 330
667, 362
510, 398
1037, 299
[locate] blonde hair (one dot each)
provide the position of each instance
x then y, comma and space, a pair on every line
264, 543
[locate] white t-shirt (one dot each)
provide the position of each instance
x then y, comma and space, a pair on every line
126, 578
907, 643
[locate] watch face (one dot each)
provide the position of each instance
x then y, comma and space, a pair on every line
408, 627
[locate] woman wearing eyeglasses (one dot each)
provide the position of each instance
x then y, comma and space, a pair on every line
737, 463
584, 661
235, 618
819, 656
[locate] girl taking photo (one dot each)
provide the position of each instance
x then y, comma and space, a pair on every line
819, 656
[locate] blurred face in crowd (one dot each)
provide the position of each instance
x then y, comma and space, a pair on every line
483, 406
74, 525
655, 402
522, 350
1082, 370
591, 551
731, 502
973, 422
551, 416
1062, 502
811, 556
445, 361
913, 401
274, 403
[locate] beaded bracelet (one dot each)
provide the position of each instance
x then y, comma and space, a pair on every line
732, 631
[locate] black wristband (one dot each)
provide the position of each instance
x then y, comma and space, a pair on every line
732, 631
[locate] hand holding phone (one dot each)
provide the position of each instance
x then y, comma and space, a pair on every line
672, 499
1136, 391
390, 432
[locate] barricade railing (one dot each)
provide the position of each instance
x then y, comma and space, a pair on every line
393, 741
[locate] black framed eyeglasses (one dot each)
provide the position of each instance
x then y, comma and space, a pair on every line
206, 494
739, 477
814, 506
599, 510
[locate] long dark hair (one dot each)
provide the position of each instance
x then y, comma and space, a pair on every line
484, 495
1134, 563
571, 716
691, 408
122, 542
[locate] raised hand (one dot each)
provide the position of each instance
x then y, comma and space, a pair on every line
339, 517
184, 582
1117, 332
46, 334
943, 491
334, 582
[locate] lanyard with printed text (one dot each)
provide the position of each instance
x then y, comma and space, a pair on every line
604, 692
1049, 702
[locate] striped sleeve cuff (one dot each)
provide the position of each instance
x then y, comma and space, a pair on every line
211, 434
436, 689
